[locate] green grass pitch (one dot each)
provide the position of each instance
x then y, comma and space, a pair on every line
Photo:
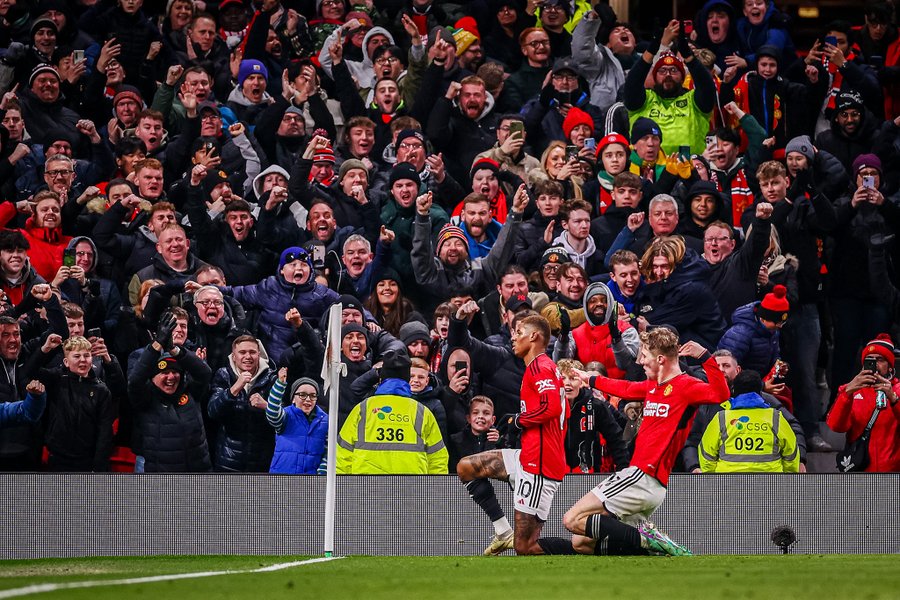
817, 577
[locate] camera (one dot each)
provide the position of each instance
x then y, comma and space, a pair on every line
870, 364
69, 257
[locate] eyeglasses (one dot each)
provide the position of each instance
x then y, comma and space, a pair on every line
538, 43
561, 77
387, 61
211, 117
668, 70
408, 146
717, 240
58, 173
292, 118
552, 7
332, 2
306, 395
208, 303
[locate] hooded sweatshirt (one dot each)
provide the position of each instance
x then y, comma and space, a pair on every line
362, 71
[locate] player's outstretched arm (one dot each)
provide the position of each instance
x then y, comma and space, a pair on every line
628, 390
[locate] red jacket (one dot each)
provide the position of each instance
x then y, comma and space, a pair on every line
47, 245
594, 343
850, 414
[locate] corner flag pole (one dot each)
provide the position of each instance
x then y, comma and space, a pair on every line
331, 374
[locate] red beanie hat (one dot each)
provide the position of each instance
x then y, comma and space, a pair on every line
882, 346
667, 59
774, 306
613, 138
575, 117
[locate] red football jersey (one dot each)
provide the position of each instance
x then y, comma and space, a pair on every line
543, 417
669, 409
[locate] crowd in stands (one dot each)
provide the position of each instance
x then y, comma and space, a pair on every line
189, 186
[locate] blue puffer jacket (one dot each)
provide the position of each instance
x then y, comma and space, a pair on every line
244, 441
273, 296
754, 346
684, 301
300, 447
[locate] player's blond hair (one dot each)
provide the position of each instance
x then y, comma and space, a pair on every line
567, 365
661, 341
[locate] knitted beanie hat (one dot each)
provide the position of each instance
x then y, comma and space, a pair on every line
774, 306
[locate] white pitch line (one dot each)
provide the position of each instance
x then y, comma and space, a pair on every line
52, 587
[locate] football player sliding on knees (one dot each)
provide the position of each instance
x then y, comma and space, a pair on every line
614, 517
535, 471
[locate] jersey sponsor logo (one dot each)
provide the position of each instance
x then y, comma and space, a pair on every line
656, 409
545, 385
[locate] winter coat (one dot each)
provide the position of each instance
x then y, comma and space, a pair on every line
169, 431
771, 31
80, 415
597, 64
869, 137
459, 137
300, 446
245, 440
47, 245
685, 301
134, 245
401, 221
17, 290
42, 118
274, 297
477, 276
498, 369
160, 269
530, 245
243, 262
466, 443
134, 33
753, 346
733, 280
100, 300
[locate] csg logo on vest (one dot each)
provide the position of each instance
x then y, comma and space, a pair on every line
386, 413
656, 409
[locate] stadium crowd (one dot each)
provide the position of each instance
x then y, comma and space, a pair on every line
189, 186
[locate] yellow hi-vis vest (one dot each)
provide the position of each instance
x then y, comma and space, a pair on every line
679, 119
749, 440
391, 435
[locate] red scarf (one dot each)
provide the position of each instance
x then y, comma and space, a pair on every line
741, 196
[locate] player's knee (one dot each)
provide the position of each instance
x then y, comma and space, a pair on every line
465, 470
571, 521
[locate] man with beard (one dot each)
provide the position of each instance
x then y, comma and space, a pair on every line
230, 240
448, 269
480, 229
526, 82
568, 299
509, 151
465, 130
468, 50
576, 239
603, 337
854, 130
683, 115
20, 445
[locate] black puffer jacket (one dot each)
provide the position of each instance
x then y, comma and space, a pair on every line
245, 441
685, 301
80, 415
169, 430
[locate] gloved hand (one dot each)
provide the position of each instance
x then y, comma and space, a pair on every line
548, 95
683, 48
510, 430
614, 332
164, 331
653, 46
565, 322
14, 53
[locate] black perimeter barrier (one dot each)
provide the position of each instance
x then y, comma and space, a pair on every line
65, 515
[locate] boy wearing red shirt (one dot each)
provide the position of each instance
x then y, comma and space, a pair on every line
536, 470
613, 518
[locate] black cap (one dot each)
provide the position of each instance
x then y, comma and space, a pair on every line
402, 171
395, 364
518, 301
566, 64
348, 301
